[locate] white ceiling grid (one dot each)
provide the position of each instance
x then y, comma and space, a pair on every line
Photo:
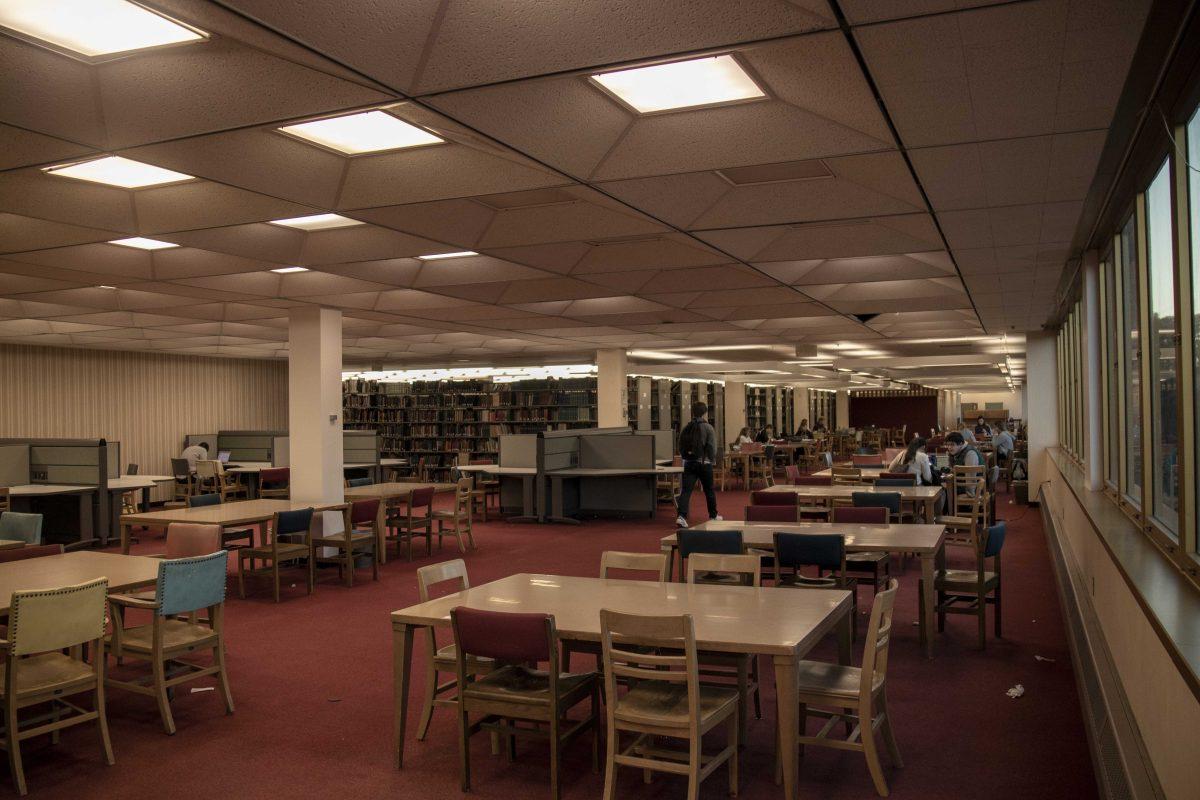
769, 222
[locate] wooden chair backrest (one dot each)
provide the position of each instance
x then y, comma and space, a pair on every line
846, 476
206, 469
747, 567
879, 636
671, 657
640, 562
433, 574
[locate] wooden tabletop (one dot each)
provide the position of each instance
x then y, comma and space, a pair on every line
859, 538
600, 472
50, 572
238, 513
733, 619
11, 544
126, 482
867, 468
389, 491
29, 489
906, 492
492, 469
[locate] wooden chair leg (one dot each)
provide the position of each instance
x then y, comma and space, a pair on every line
102, 721
871, 751
464, 749
610, 765
160, 694
693, 790
241, 577
275, 577
885, 728
431, 683
349, 562
223, 675
734, 744
555, 760
14, 749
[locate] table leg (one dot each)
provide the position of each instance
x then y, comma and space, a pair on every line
146, 498
86, 526
126, 532
927, 602
381, 530
788, 714
669, 552
845, 636
402, 647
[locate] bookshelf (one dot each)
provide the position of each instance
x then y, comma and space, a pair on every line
756, 408
437, 420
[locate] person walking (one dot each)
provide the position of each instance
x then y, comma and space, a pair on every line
698, 449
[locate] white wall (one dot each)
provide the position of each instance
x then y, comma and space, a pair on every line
1011, 400
1042, 396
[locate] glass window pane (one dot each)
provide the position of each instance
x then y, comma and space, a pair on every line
1133, 401
1193, 150
1164, 439
1113, 369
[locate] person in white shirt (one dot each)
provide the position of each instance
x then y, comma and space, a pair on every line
913, 459
1004, 445
194, 453
744, 437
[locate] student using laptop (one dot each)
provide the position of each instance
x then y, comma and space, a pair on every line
194, 453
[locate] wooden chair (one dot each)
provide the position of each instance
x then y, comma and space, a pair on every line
847, 476
21, 527
443, 659
515, 693
43, 666
968, 513
866, 459
657, 657
358, 537
720, 542
653, 563
806, 457
184, 485
854, 695
405, 524
129, 501
826, 552
230, 538
761, 469
741, 668
175, 634
275, 482
876, 564
484, 490
786, 514
280, 546
212, 477
459, 515
889, 500
971, 591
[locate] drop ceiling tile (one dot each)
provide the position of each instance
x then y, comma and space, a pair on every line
906, 233
19, 233
27, 148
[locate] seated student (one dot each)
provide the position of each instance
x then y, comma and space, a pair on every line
962, 454
197, 452
982, 429
1004, 445
744, 437
765, 435
819, 425
803, 431
915, 460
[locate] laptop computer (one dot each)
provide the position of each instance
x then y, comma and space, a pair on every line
223, 456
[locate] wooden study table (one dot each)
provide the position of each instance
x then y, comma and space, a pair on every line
925, 496
781, 623
927, 541
67, 569
21, 499
868, 470
388, 493
129, 483
526, 474
227, 515
252, 469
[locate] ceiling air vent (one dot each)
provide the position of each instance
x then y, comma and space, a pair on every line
807, 170
865, 318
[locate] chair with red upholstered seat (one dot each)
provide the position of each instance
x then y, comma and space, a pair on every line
275, 482
789, 513
877, 564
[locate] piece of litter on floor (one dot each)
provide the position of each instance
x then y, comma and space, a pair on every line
203, 689
294, 586
335, 699
1043, 658
1016, 691
916, 624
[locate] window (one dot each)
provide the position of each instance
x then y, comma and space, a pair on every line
1132, 363
1193, 158
1112, 372
1161, 356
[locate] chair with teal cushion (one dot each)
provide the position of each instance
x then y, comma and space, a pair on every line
26, 528
185, 587
359, 482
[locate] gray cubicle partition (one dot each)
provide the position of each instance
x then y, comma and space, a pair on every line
664, 443
614, 493
360, 447
14, 464
69, 479
255, 446
518, 450
280, 452
201, 438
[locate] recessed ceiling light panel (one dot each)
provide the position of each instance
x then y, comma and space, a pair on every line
143, 244
439, 256
365, 132
288, 270
681, 84
94, 28
118, 171
317, 222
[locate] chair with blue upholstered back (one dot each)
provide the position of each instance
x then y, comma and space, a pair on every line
289, 539
25, 528
971, 591
185, 586
228, 535
826, 552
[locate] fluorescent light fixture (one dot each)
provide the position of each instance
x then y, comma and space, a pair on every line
701, 361
94, 28
118, 171
365, 132
143, 244
497, 374
655, 354
681, 84
105, 286
317, 222
288, 270
439, 256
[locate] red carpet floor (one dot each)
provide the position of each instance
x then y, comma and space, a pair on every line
312, 682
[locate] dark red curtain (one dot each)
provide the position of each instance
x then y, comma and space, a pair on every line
919, 413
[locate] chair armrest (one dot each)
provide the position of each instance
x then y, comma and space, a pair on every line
131, 602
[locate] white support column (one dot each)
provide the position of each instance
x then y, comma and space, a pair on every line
1041, 403
315, 404
1092, 375
842, 407
735, 409
800, 407
612, 390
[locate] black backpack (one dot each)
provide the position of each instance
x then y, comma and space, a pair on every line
691, 442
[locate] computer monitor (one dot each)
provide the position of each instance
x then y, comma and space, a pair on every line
223, 456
